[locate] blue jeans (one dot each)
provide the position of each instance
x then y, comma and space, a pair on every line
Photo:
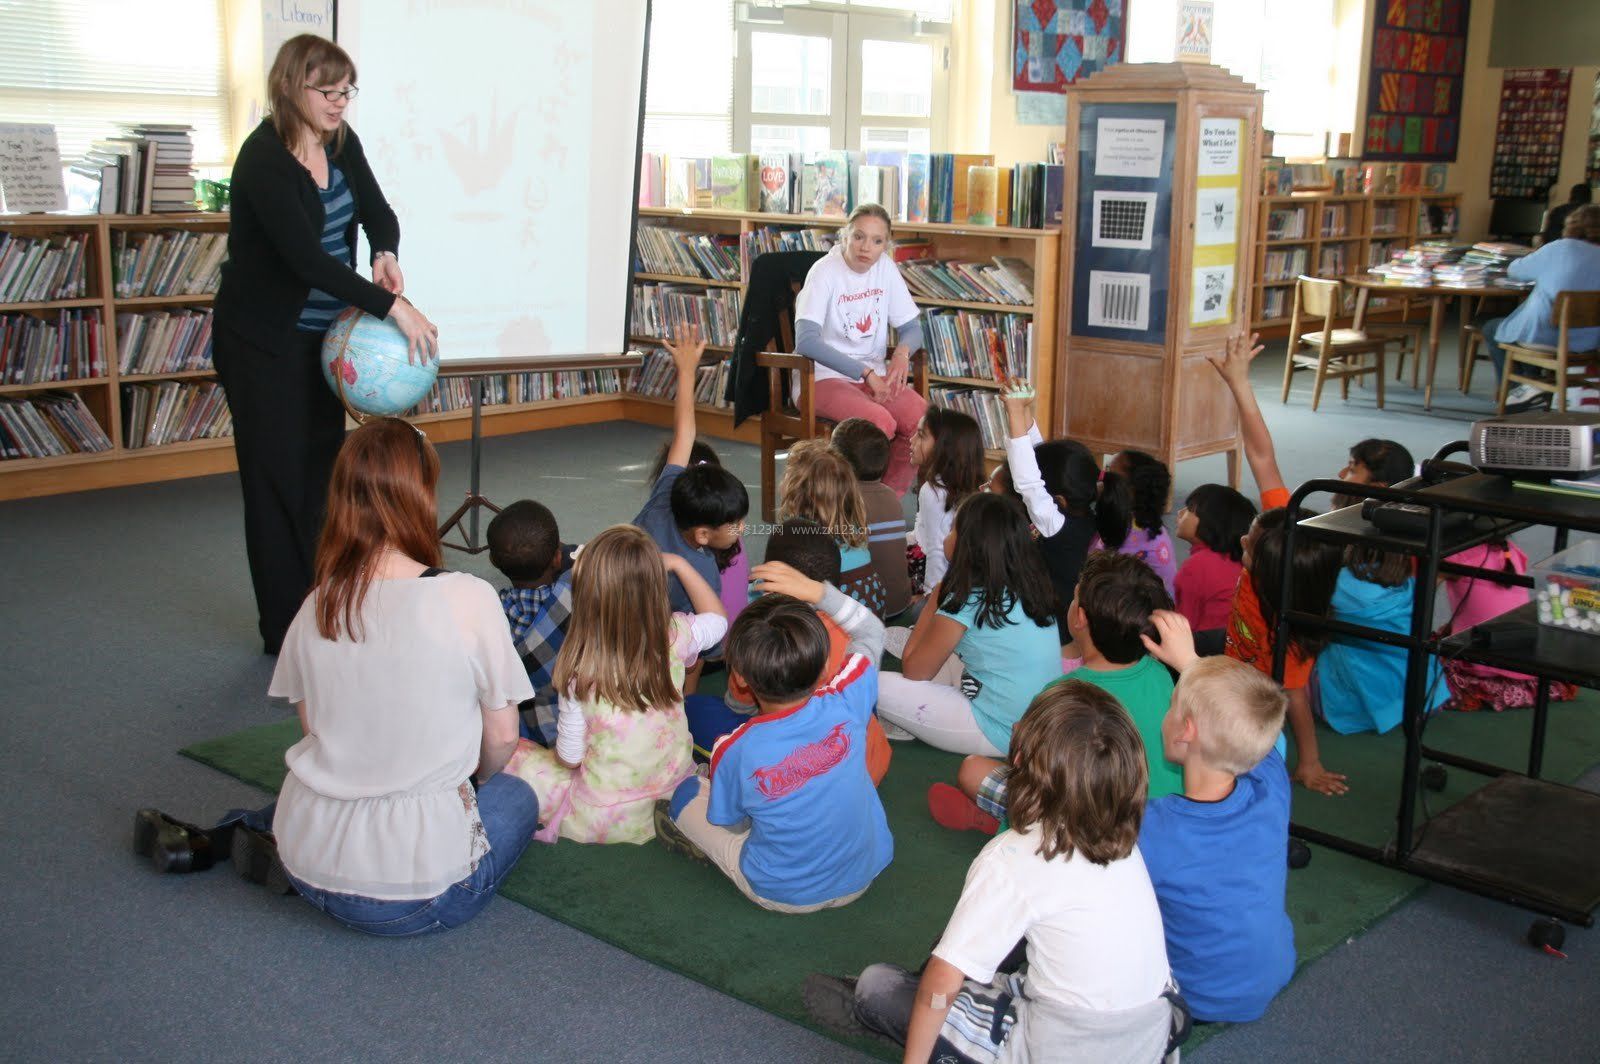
510, 815
1497, 354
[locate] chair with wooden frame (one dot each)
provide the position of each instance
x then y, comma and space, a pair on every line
1571, 310
1331, 353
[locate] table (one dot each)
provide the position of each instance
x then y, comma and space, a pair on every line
1367, 283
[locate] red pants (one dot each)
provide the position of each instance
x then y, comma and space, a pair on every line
837, 399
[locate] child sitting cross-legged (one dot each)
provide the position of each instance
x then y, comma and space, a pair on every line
525, 545
1067, 879
866, 447
787, 810
1108, 616
820, 485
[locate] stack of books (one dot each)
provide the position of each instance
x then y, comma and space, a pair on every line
164, 341
39, 350
1002, 280
168, 262
147, 169
686, 254
659, 309
173, 412
170, 178
48, 426
35, 269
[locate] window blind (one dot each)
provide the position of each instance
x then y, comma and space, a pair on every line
85, 66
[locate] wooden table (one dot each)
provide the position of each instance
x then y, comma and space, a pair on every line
1367, 283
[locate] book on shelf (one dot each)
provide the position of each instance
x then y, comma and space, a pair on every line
1334, 220
36, 269
49, 425
1286, 223
829, 194
773, 238
735, 182
1284, 264
1003, 280
916, 198
1344, 176
510, 389
1274, 303
165, 412
164, 341
981, 404
684, 253
776, 173
983, 195
657, 378
658, 309
166, 262
35, 350
978, 344
1332, 261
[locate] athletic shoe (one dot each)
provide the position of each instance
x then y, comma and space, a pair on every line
954, 810
1522, 399
671, 836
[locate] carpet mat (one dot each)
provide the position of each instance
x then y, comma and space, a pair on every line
686, 917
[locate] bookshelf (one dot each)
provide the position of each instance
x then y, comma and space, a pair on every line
1037, 248
1328, 235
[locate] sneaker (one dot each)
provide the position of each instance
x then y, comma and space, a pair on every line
255, 858
894, 732
831, 1001
952, 809
671, 836
1523, 398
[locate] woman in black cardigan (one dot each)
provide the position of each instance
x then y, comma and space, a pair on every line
300, 185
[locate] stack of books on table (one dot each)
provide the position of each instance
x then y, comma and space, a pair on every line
48, 426
1491, 259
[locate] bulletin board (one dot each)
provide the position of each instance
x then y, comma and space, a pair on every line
1527, 141
1419, 50
1124, 221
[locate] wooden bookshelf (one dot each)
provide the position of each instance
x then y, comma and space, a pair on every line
1371, 226
1038, 247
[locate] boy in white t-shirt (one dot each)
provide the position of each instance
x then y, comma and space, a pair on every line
851, 297
1068, 878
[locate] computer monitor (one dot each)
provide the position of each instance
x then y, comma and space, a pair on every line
1516, 218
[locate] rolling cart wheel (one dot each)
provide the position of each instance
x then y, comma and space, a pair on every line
1299, 854
1547, 935
1434, 777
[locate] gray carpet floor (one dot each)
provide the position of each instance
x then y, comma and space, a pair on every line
130, 632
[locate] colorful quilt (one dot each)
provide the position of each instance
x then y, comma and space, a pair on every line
1419, 51
1057, 42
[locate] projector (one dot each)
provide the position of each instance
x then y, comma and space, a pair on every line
1543, 444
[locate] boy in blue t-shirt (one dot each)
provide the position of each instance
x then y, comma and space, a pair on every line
788, 810
1216, 852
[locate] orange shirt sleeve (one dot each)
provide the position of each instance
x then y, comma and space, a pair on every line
1274, 498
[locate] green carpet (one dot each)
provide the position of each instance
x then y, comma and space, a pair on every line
687, 917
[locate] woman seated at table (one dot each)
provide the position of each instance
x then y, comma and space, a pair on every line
394, 818
1571, 264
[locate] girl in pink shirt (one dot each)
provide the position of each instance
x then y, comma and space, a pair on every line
1213, 521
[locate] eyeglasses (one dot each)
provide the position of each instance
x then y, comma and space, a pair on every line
335, 95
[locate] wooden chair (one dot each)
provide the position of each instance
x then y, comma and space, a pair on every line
791, 415
1572, 310
1331, 353
1473, 350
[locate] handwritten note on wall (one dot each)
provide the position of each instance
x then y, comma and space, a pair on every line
30, 169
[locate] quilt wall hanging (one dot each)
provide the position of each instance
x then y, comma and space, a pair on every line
1419, 55
1055, 43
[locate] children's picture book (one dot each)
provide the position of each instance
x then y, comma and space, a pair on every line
832, 189
1054, 177
983, 194
869, 184
730, 189
916, 198
961, 164
776, 180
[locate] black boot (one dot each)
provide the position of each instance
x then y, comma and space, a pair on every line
255, 858
174, 846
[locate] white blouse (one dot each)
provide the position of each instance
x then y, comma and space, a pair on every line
377, 800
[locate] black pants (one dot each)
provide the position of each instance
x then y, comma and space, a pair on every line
287, 430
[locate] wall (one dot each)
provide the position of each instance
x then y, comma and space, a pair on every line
1546, 33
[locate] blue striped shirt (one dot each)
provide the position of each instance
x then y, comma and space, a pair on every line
338, 207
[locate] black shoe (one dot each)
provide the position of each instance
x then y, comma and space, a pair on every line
831, 1001
1540, 401
255, 858
671, 836
174, 846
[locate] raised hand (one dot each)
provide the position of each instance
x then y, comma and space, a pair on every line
1233, 361
1018, 397
685, 347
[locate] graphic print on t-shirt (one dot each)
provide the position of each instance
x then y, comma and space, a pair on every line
803, 764
858, 314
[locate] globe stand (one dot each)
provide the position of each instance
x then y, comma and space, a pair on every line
465, 517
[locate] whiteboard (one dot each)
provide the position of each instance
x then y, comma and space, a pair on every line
506, 137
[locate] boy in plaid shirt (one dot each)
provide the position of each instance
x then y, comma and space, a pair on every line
525, 545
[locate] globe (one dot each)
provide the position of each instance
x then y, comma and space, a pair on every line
364, 362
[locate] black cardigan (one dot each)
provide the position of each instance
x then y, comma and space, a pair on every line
275, 254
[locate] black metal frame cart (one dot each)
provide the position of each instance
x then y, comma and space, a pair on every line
1518, 839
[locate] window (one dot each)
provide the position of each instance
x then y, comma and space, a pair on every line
689, 90
85, 66
1270, 43
862, 76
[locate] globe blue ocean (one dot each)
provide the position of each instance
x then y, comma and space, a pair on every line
366, 357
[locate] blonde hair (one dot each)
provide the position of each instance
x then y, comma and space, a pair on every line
1583, 224
820, 485
868, 210
616, 646
1237, 712
305, 60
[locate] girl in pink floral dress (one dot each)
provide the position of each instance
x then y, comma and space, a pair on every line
622, 740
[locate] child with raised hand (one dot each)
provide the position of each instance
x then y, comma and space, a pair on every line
1215, 851
820, 485
866, 447
1108, 618
1059, 483
985, 645
947, 450
733, 563
1315, 567
787, 810
692, 512
1138, 485
1069, 880
525, 545
622, 740
1214, 521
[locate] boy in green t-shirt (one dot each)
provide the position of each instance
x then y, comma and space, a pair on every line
1110, 610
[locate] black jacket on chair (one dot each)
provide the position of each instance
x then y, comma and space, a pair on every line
769, 295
